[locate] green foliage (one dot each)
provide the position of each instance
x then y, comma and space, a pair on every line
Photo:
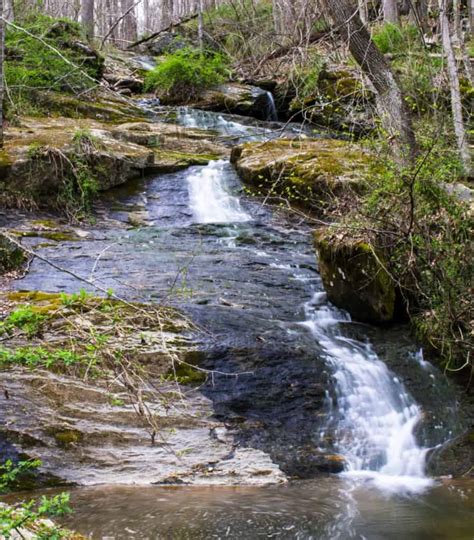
76, 299
395, 39
11, 473
16, 519
39, 357
31, 64
420, 74
22, 318
184, 74
427, 233
305, 78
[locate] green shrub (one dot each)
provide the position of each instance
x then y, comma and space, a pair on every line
427, 234
20, 519
183, 75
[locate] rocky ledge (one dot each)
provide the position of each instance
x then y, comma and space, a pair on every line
104, 391
305, 171
40, 154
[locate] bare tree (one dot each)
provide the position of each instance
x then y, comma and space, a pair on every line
129, 27
390, 11
87, 17
394, 112
456, 104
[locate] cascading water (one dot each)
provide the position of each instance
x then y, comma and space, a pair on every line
373, 415
210, 199
272, 113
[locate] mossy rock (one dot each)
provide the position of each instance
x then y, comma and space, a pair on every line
355, 277
104, 108
11, 256
304, 171
38, 158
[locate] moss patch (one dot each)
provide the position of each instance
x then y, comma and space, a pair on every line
304, 172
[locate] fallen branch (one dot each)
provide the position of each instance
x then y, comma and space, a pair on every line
168, 28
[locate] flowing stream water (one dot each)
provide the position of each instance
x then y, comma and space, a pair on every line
320, 384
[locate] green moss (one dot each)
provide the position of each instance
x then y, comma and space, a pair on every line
68, 437
57, 236
35, 64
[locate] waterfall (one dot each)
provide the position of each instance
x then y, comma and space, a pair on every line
272, 113
210, 199
373, 415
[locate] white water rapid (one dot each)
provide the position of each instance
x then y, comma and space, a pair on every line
209, 196
374, 415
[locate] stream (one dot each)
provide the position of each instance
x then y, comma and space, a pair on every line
316, 392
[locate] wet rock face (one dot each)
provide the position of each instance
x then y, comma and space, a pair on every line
454, 458
83, 437
355, 278
276, 403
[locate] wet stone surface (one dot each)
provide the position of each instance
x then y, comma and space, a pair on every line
245, 284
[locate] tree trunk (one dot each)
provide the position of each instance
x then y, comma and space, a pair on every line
395, 115
200, 25
390, 11
456, 104
87, 17
129, 23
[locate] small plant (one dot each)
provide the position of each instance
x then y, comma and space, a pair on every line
75, 299
183, 75
23, 318
35, 150
391, 38
28, 518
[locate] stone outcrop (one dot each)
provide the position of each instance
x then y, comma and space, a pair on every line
145, 423
302, 170
341, 101
37, 155
355, 277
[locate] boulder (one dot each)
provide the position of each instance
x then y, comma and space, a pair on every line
304, 171
166, 43
455, 458
234, 98
124, 72
355, 277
